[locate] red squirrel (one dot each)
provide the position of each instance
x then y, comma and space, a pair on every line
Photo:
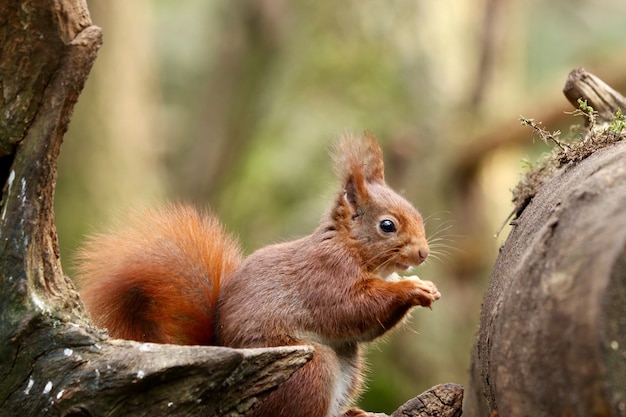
174, 276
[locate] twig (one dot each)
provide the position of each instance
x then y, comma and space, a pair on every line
545, 135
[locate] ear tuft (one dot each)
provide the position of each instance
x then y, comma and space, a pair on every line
374, 166
360, 158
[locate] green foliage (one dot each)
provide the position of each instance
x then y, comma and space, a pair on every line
587, 112
619, 123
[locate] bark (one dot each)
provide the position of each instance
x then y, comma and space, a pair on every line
552, 337
54, 362
443, 400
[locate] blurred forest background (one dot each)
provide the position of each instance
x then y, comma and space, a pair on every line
233, 105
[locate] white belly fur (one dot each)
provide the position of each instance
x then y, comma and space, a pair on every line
343, 385
348, 372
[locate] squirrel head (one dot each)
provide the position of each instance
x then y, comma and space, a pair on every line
386, 230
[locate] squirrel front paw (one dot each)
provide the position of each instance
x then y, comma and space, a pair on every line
427, 292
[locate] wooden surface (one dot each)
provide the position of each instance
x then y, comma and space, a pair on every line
604, 99
444, 400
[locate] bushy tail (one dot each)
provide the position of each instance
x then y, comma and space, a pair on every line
157, 278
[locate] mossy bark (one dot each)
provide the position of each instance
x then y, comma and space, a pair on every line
552, 338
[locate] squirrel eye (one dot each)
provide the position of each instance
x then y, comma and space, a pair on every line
387, 226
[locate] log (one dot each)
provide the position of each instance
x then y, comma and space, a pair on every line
552, 336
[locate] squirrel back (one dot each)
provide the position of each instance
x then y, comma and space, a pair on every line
156, 277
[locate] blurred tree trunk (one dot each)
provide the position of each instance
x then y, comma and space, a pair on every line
111, 157
552, 339
232, 99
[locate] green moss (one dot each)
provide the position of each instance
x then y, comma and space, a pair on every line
566, 151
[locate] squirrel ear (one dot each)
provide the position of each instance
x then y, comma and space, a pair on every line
355, 193
358, 162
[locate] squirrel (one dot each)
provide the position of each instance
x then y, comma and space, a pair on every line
173, 275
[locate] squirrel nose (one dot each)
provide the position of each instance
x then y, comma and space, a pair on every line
423, 254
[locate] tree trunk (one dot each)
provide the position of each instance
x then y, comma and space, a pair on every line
54, 362
552, 338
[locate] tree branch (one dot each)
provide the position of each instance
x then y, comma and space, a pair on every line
445, 400
586, 86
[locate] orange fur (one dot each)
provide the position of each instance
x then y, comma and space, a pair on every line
131, 277
160, 281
